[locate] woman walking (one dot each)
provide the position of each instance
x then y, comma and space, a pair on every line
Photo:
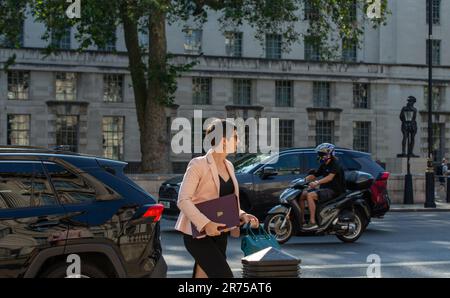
208, 177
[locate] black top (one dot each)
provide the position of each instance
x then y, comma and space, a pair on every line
226, 188
333, 167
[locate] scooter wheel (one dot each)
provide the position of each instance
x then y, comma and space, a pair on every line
273, 224
360, 226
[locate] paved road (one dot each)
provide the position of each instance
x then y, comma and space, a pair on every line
415, 244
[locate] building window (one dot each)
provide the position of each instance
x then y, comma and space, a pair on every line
197, 150
62, 42
18, 130
349, 50
321, 94
113, 88
283, 94
324, 131
242, 91
18, 84
436, 4
311, 11
192, 41
67, 131
312, 49
233, 44
361, 136
436, 101
113, 137
201, 90
110, 46
286, 133
66, 86
436, 44
273, 46
438, 141
361, 97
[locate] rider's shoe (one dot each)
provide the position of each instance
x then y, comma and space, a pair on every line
310, 227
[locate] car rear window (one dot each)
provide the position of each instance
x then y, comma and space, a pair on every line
351, 161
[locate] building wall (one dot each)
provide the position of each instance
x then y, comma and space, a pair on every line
392, 60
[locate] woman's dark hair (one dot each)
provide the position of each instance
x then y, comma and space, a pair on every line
228, 128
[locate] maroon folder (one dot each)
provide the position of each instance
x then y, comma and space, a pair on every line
224, 210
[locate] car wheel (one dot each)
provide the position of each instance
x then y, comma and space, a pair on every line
360, 226
59, 270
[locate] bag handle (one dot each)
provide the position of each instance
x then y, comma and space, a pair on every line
261, 231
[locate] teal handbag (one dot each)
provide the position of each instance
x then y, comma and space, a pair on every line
252, 242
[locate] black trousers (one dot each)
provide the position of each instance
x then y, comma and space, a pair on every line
210, 254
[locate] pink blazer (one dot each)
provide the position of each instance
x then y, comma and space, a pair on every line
200, 184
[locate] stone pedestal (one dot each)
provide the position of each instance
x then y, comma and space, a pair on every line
396, 187
399, 165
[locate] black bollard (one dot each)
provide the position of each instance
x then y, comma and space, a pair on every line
448, 189
408, 192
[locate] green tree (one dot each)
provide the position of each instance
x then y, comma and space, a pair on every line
153, 74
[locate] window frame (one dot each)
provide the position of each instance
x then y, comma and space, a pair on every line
234, 41
319, 87
283, 87
120, 139
193, 39
21, 79
240, 87
332, 132
285, 135
118, 78
77, 131
66, 83
274, 46
357, 144
8, 130
198, 96
359, 101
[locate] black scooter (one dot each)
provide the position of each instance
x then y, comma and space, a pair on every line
346, 216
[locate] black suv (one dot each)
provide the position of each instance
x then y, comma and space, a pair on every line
261, 182
57, 207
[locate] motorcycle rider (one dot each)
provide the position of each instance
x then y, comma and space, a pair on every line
331, 185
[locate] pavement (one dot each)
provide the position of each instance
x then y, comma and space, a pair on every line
407, 244
440, 207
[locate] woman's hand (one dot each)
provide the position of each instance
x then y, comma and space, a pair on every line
212, 228
246, 218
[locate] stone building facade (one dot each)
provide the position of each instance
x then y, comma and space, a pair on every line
85, 99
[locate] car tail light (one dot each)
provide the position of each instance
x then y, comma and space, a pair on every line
154, 211
379, 188
384, 176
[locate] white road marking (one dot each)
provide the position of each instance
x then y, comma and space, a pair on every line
341, 266
364, 265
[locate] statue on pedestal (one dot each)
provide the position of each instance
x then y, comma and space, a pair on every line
409, 128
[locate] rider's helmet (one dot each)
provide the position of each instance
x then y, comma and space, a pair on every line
325, 152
